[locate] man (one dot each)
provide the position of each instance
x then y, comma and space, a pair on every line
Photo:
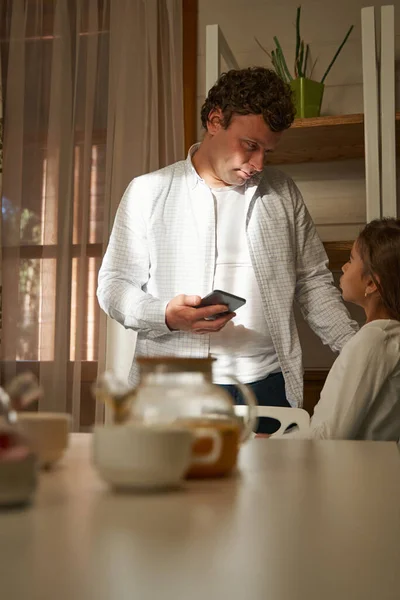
223, 220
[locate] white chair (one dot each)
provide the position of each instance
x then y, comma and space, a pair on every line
286, 416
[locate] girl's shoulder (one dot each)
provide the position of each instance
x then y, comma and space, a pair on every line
386, 326
372, 336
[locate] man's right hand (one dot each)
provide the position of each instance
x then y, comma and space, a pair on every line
184, 314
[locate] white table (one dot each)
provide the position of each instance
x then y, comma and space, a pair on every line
302, 520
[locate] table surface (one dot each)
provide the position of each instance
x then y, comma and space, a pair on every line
301, 519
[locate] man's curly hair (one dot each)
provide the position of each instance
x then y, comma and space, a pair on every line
254, 90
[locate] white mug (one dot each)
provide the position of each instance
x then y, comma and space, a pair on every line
47, 433
135, 455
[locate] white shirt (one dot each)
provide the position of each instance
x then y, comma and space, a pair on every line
244, 346
163, 244
361, 396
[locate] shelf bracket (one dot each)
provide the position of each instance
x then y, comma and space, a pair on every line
216, 48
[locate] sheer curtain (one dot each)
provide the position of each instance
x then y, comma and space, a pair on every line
92, 97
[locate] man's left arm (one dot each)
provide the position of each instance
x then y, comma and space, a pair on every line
319, 300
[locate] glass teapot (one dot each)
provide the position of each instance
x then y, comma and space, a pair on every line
179, 391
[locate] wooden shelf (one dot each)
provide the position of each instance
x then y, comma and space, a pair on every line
324, 138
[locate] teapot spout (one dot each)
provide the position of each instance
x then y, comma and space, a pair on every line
116, 394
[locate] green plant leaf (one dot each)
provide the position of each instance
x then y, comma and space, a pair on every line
277, 66
280, 62
273, 59
274, 63
313, 67
297, 34
282, 58
337, 54
300, 60
304, 69
262, 48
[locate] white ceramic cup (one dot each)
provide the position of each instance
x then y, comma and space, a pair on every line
47, 433
135, 455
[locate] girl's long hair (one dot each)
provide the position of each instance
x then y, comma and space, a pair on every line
379, 248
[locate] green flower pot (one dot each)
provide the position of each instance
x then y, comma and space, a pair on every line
308, 97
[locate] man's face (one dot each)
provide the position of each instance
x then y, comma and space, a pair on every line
238, 152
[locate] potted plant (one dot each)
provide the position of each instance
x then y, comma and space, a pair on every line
308, 93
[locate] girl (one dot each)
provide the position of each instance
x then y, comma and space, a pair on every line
361, 396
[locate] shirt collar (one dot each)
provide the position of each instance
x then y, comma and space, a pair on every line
194, 177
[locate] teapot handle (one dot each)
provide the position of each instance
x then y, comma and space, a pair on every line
250, 418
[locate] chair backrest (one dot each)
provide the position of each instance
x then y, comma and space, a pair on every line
286, 416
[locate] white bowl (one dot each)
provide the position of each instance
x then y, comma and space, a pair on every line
136, 456
47, 434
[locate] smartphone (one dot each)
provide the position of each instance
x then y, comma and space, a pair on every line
220, 297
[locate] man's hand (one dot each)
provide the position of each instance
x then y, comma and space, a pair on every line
181, 314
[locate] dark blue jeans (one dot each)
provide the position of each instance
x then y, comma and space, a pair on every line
269, 392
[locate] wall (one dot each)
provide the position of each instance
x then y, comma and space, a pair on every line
333, 192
